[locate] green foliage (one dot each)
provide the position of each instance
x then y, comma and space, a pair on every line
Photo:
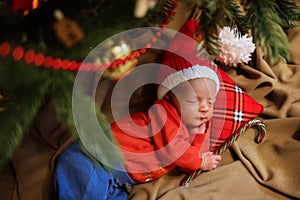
288, 12
267, 18
216, 14
208, 27
157, 16
21, 104
99, 19
25, 87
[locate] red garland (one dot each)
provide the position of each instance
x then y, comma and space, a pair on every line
39, 59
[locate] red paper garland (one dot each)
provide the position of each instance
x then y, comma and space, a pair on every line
39, 59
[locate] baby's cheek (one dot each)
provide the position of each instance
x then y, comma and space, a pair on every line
194, 110
191, 108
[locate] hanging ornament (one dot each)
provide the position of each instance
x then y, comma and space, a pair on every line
142, 6
117, 72
67, 30
117, 50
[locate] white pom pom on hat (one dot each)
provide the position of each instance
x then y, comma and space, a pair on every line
181, 63
233, 47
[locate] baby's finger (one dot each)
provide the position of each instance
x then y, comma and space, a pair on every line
218, 157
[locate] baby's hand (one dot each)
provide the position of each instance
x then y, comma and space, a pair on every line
209, 161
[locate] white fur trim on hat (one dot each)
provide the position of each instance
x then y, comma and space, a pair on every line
183, 75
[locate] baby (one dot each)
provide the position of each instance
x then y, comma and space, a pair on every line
175, 131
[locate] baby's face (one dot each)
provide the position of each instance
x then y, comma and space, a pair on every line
194, 101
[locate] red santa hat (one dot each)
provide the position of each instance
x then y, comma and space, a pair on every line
183, 63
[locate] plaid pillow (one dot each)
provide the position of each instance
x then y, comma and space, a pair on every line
233, 108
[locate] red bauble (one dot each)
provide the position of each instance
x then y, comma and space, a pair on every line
57, 63
29, 56
18, 53
39, 59
48, 61
4, 49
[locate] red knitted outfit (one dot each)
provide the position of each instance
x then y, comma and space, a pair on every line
150, 154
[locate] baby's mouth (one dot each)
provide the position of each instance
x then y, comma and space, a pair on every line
203, 118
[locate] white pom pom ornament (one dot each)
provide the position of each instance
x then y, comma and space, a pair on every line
234, 48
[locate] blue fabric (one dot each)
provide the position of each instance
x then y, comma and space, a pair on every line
76, 177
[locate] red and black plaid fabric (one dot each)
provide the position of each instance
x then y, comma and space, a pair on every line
233, 108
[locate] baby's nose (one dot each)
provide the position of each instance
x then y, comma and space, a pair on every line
203, 107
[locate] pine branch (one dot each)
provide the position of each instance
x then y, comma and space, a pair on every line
215, 15
289, 13
99, 19
23, 97
156, 16
208, 26
266, 29
236, 16
22, 105
15, 121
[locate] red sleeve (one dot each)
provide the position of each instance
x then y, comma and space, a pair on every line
173, 141
130, 136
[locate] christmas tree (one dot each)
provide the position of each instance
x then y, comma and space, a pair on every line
43, 44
